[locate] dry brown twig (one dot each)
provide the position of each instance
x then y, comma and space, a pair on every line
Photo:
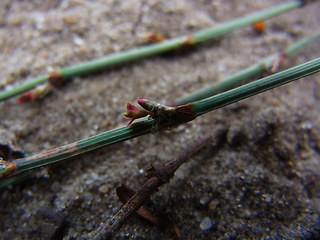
158, 175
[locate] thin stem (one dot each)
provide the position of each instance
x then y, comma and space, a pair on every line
14, 179
246, 73
217, 101
146, 51
146, 126
160, 175
300, 44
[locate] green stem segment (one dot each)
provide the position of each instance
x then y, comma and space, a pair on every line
85, 145
146, 51
144, 127
253, 88
246, 73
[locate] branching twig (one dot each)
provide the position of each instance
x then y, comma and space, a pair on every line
159, 175
195, 109
267, 64
64, 74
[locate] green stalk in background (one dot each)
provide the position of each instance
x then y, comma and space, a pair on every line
246, 73
217, 101
67, 73
195, 109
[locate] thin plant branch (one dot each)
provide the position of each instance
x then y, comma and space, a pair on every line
217, 101
159, 175
57, 77
268, 64
162, 119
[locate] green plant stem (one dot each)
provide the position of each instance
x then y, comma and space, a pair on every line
246, 73
217, 101
146, 126
14, 179
146, 51
300, 44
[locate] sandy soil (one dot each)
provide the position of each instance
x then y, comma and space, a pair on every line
262, 180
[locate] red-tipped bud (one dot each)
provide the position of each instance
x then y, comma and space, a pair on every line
154, 107
259, 26
37, 93
26, 97
154, 37
277, 61
147, 104
134, 112
141, 100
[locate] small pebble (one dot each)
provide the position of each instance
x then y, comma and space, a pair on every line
94, 176
78, 40
307, 125
213, 204
206, 224
104, 189
204, 200
70, 19
100, 210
